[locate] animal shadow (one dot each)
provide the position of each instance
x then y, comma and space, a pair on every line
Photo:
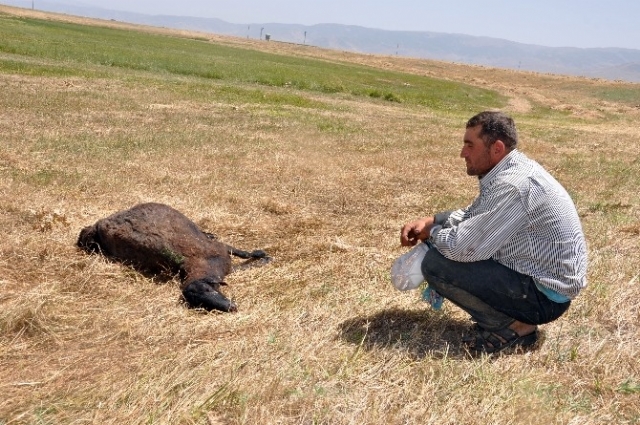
419, 333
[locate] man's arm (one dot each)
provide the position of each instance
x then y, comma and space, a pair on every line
419, 230
441, 218
415, 231
493, 220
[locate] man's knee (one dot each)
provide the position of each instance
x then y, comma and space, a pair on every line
433, 263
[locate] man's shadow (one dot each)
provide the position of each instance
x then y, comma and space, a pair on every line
419, 333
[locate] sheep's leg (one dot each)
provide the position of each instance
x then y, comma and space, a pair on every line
201, 294
258, 253
250, 263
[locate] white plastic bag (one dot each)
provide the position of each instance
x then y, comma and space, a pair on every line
406, 271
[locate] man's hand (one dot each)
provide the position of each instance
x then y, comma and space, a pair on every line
415, 231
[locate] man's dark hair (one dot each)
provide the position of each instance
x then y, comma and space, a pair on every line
495, 126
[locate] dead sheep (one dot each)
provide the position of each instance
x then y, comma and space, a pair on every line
157, 239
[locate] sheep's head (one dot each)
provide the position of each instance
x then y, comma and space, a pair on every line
205, 293
88, 240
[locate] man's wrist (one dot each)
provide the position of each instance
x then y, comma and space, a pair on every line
441, 217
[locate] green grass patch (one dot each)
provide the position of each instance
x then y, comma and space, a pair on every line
72, 47
627, 94
17, 66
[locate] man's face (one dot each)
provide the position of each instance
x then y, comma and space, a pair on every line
475, 153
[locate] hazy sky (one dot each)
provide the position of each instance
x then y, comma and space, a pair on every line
577, 23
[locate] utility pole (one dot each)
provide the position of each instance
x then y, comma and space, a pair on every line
248, 28
305, 38
32, 4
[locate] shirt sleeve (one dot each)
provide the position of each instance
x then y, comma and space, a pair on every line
485, 226
440, 218
455, 217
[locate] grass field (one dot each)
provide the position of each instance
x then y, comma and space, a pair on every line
318, 157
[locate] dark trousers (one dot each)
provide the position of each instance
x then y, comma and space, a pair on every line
494, 295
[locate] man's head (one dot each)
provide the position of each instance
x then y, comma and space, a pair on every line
489, 137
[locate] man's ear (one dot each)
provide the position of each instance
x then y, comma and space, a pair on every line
498, 148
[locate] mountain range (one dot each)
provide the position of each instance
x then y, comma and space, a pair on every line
605, 63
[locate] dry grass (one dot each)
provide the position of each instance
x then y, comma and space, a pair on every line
321, 337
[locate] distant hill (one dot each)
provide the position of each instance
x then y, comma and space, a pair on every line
607, 63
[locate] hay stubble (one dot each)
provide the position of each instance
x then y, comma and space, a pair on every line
320, 336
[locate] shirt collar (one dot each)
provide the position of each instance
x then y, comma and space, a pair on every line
503, 164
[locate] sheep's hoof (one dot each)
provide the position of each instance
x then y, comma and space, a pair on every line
258, 253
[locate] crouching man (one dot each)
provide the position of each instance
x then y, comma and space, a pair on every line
513, 259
